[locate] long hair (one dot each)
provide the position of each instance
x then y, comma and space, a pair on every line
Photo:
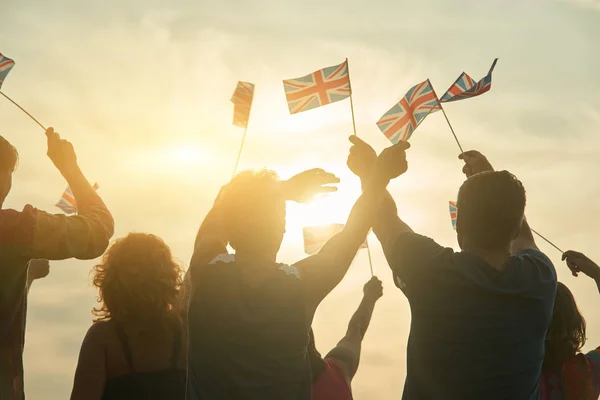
9, 157
566, 335
138, 283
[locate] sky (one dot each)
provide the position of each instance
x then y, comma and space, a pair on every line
142, 90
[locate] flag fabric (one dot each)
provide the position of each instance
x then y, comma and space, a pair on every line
453, 213
242, 102
6, 65
320, 88
401, 120
315, 237
465, 87
67, 201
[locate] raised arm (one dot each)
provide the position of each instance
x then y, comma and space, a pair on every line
579, 262
323, 271
37, 234
385, 221
475, 163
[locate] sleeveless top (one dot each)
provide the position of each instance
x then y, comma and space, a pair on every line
248, 343
156, 385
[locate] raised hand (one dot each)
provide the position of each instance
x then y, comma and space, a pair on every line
578, 262
373, 289
392, 163
60, 151
304, 186
38, 269
362, 158
475, 162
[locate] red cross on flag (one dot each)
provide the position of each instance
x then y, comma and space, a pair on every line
322, 87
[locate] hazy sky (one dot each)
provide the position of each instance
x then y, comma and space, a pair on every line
142, 89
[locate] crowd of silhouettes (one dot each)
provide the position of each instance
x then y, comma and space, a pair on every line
488, 322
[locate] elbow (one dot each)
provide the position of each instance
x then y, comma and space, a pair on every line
99, 239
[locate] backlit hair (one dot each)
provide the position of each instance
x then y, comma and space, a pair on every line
250, 207
138, 282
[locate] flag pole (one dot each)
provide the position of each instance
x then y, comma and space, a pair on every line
369, 254
240, 151
549, 242
352, 107
354, 127
22, 109
446, 116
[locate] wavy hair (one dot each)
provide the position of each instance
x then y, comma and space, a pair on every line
138, 282
566, 334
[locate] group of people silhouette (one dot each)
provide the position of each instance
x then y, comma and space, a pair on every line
488, 322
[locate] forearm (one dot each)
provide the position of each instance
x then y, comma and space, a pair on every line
83, 192
386, 223
362, 316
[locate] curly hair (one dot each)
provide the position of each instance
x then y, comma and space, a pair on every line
138, 282
566, 335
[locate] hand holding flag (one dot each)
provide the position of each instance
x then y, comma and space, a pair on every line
475, 162
362, 158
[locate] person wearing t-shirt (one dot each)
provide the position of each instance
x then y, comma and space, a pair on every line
249, 316
478, 316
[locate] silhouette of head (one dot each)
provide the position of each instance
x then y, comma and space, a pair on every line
566, 335
490, 210
138, 282
8, 162
254, 212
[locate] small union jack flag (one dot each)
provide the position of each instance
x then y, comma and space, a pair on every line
465, 87
6, 65
242, 102
315, 237
67, 201
322, 87
453, 213
401, 120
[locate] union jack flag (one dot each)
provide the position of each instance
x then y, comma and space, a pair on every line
401, 120
6, 65
67, 201
315, 237
242, 102
322, 87
453, 213
465, 87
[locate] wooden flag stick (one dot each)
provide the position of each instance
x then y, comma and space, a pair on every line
25, 111
351, 102
237, 162
369, 254
549, 242
354, 128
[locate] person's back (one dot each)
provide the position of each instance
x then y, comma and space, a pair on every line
479, 317
253, 335
137, 347
475, 329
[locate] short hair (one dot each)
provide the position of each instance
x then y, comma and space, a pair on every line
490, 209
138, 283
9, 157
250, 205
566, 335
